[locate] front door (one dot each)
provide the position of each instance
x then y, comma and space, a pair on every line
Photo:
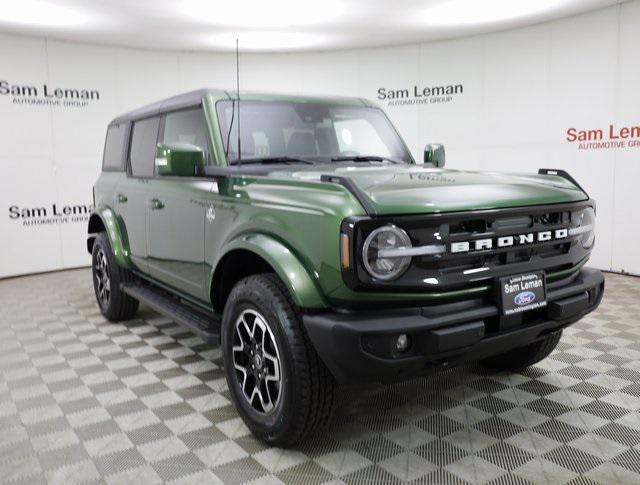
176, 233
178, 209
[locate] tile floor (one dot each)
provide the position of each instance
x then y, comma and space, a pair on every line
86, 401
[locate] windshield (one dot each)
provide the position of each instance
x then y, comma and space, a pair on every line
316, 132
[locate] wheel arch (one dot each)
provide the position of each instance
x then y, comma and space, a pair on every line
260, 253
103, 219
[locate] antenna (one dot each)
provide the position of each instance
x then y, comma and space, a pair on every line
238, 96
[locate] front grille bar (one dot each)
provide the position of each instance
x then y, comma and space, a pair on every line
429, 250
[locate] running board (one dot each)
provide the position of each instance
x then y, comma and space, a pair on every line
205, 325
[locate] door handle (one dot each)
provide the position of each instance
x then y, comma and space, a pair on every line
122, 198
156, 204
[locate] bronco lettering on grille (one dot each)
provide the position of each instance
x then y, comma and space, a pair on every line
508, 241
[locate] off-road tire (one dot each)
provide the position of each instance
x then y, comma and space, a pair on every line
307, 386
119, 306
521, 357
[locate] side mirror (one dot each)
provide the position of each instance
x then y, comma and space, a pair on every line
434, 155
180, 159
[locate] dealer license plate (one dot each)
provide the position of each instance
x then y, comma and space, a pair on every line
523, 292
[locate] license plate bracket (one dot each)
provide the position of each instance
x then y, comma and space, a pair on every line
522, 292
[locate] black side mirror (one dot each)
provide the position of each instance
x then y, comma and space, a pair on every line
434, 155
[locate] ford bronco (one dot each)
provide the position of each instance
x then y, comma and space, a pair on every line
301, 235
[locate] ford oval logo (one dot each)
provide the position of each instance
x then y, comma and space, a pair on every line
524, 298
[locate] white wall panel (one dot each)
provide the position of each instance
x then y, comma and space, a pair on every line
583, 84
28, 184
515, 108
393, 68
333, 73
456, 124
198, 70
278, 73
626, 216
76, 197
143, 77
78, 136
26, 158
79, 131
522, 90
24, 63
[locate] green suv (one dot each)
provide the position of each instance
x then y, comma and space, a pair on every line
300, 235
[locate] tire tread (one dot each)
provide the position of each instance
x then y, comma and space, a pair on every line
313, 382
320, 384
122, 306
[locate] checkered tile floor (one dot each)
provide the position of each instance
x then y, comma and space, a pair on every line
86, 401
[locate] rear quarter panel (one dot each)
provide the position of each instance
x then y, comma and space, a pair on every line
105, 190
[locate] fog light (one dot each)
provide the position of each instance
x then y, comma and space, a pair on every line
403, 343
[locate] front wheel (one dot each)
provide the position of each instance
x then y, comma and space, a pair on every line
521, 357
114, 304
280, 387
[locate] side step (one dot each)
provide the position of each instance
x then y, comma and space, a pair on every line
205, 325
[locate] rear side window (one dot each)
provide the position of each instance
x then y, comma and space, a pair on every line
142, 155
187, 128
114, 147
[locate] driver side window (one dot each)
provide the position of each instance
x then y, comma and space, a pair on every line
187, 129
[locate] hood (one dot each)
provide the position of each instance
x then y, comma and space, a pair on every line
414, 189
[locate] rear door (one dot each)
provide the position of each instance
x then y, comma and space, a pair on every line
178, 212
132, 194
113, 164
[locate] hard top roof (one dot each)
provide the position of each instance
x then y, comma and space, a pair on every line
194, 98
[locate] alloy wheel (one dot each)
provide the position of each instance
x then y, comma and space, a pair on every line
103, 278
257, 361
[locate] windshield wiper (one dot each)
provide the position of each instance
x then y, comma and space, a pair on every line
362, 158
282, 159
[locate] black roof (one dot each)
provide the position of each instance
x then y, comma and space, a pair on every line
194, 98
185, 100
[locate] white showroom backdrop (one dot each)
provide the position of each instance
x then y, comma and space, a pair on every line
519, 93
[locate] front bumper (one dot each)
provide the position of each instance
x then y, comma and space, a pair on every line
360, 346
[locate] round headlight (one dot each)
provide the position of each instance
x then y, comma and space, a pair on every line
584, 223
391, 266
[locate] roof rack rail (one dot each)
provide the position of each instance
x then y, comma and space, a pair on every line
356, 191
561, 173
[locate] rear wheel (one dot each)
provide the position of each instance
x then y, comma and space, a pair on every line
114, 304
281, 388
521, 357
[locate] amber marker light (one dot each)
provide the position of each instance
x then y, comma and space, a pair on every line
345, 253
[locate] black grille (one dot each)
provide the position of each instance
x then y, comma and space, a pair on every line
453, 271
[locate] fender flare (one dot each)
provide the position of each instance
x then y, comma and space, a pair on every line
114, 231
304, 291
